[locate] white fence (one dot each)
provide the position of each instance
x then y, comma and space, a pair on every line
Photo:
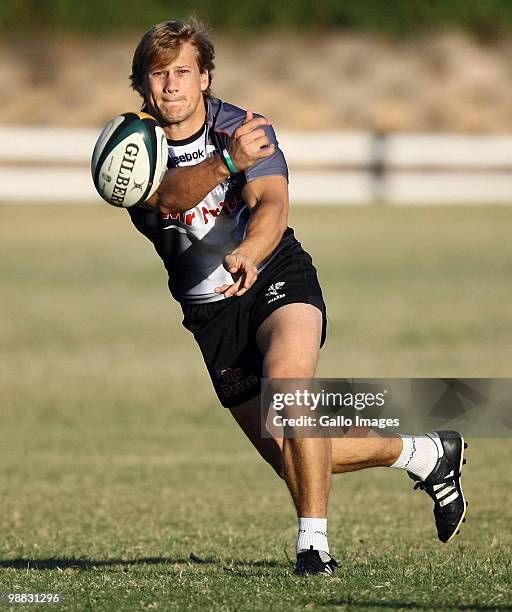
41, 165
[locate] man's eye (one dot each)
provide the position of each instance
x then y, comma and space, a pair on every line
184, 71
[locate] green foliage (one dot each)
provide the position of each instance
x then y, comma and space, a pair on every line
397, 17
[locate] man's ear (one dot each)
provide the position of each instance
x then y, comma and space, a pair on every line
205, 80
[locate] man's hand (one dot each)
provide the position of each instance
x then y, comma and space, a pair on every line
244, 274
250, 143
185, 187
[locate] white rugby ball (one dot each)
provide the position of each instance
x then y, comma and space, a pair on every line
130, 159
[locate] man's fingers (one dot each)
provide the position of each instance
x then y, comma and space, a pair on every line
250, 126
250, 277
244, 275
252, 136
267, 151
228, 290
250, 143
221, 289
233, 289
241, 292
257, 148
238, 288
249, 116
260, 143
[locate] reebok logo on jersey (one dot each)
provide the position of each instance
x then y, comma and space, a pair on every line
187, 157
273, 292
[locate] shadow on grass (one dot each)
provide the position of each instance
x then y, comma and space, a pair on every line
404, 605
83, 563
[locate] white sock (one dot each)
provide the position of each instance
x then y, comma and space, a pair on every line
419, 454
312, 532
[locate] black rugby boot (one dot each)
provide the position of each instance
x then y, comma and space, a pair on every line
443, 483
312, 562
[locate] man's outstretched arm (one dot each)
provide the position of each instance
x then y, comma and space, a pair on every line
268, 199
185, 187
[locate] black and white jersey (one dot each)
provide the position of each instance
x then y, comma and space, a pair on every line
192, 244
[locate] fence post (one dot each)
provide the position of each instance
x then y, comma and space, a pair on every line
378, 151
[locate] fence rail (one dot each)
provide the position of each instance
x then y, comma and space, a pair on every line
41, 165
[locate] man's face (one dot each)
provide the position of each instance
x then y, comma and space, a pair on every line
173, 92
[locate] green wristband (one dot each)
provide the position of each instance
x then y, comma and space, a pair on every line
229, 161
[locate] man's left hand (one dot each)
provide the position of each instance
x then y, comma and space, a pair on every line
244, 274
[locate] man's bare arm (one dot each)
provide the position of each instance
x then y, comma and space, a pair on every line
268, 199
183, 188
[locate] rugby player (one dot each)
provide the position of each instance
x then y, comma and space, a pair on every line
248, 290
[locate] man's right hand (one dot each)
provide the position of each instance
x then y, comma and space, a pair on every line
250, 143
185, 187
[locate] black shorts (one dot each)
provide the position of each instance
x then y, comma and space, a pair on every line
226, 330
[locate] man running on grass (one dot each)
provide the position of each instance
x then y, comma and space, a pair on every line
248, 290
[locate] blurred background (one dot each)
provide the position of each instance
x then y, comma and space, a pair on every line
396, 119
408, 102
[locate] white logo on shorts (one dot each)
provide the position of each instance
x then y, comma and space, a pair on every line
273, 292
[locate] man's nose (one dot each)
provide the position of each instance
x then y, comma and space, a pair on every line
171, 83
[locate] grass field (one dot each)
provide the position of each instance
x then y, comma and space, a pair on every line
116, 463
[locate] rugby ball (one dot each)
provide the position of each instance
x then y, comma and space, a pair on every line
130, 159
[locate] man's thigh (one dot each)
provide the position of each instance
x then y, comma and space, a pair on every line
289, 340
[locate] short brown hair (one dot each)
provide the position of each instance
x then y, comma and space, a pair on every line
161, 44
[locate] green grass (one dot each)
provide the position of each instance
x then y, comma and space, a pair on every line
116, 463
